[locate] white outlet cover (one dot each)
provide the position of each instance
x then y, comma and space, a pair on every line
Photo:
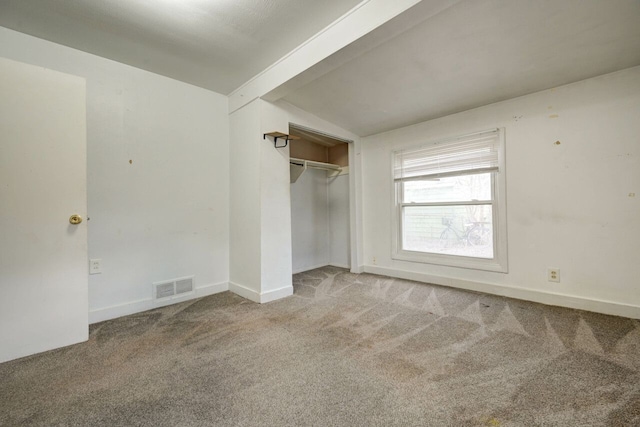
553, 275
95, 266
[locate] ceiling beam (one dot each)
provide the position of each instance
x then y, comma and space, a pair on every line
359, 21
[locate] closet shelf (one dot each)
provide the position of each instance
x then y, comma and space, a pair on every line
276, 135
315, 165
298, 166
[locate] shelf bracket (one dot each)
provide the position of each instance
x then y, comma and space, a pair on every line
283, 136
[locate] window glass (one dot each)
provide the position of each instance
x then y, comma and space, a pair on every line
450, 202
464, 188
452, 230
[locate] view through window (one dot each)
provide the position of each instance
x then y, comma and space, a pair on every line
457, 220
447, 198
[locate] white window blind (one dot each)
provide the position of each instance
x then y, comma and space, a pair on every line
475, 153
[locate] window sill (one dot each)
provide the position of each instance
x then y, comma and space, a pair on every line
451, 261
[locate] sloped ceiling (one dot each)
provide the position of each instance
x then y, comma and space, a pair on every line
437, 58
215, 44
473, 53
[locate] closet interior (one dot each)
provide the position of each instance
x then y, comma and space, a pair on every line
319, 167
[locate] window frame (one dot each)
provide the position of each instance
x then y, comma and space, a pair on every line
499, 262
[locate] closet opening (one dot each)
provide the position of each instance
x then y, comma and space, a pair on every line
320, 207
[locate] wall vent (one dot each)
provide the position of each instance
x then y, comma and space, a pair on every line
184, 286
165, 290
173, 288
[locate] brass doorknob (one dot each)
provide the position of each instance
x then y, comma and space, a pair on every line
75, 219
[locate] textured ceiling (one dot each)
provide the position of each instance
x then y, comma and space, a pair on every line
216, 44
437, 58
473, 53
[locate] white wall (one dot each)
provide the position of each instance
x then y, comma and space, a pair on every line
275, 199
339, 229
278, 116
310, 233
320, 221
245, 225
573, 206
261, 240
43, 268
164, 214
260, 264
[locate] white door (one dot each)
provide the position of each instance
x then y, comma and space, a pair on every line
43, 257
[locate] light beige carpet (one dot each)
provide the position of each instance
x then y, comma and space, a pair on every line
345, 350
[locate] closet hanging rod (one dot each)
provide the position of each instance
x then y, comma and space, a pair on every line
314, 164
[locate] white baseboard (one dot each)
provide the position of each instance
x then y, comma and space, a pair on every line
263, 297
549, 298
46, 343
335, 264
276, 294
312, 267
115, 311
244, 292
302, 270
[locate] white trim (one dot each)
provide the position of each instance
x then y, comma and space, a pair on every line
357, 22
485, 264
244, 292
263, 297
358, 269
298, 48
499, 263
313, 267
302, 270
38, 346
276, 294
527, 294
356, 230
340, 265
319, 132
115, 311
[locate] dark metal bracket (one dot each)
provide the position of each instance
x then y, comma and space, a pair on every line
283, 136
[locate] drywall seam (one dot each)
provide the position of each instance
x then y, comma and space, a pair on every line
549, 298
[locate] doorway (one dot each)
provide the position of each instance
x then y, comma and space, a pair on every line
320, 200
43, 250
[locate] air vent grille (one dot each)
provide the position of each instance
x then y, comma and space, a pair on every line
184, 286
164, 290
173, 288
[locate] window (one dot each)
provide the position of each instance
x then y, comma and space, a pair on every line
449, 202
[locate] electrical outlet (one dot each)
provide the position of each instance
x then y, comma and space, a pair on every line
94, 266
553, 274
374, 261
